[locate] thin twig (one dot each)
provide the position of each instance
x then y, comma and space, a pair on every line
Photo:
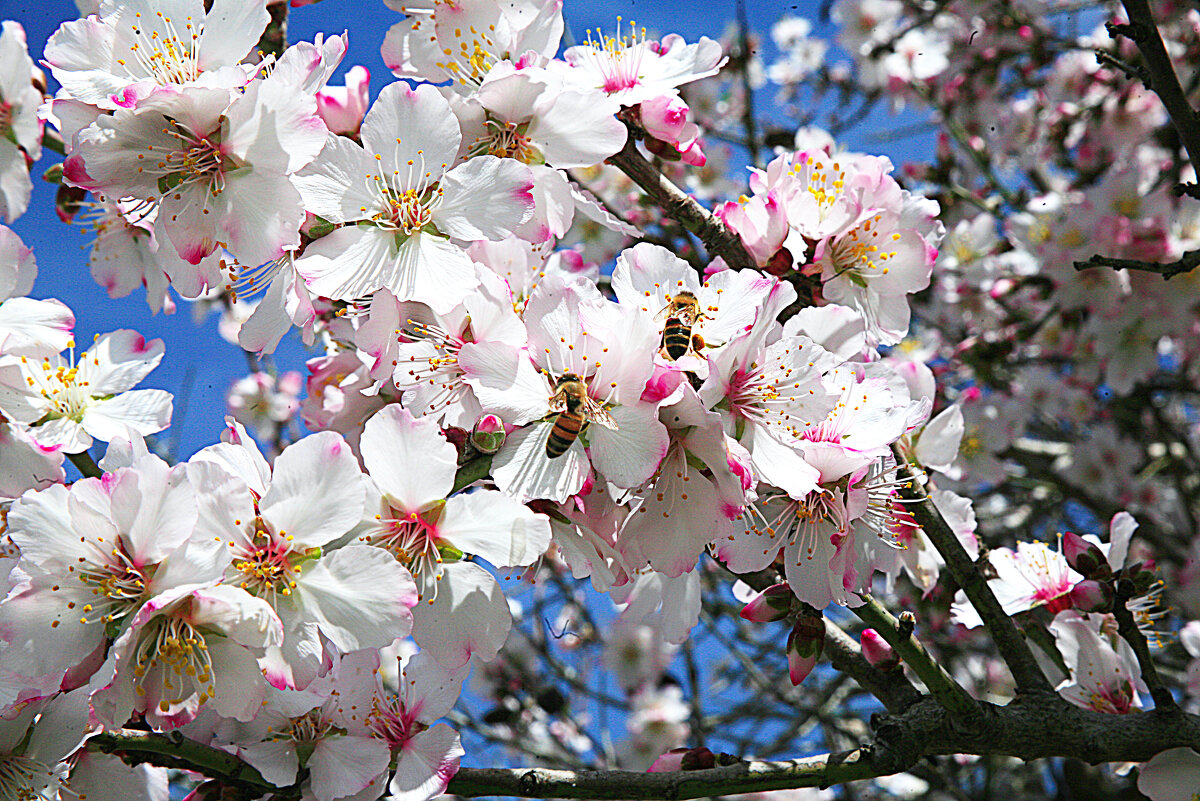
1168, 270
941, 684
1008, 638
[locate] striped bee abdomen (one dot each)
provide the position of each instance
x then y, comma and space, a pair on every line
565, 431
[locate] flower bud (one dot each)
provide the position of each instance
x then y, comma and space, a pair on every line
876, 650
1084, 557
341, 108
1090, 595
488, 434
665, 117
781, 263
684, 758
804, 646
1143, 578
771, 604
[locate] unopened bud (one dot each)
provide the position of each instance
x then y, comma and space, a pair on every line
804, 646
1091, 595
684, 758
1084, 557
781, 263
1143, 578
488, 434
771, 604
876, 650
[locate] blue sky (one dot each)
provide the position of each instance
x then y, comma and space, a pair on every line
199, 366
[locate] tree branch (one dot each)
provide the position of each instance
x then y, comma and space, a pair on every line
892, 688
1009, 641
682, 207
819, 771
942, 686
1163, 80
1168, 270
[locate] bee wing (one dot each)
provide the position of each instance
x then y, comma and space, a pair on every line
558, 402
597, 414
664, 312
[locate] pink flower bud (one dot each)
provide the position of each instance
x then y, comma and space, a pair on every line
771, 604
684, 758
876, 650
1084, 557
1092, 596
341, 108
488, 434
804, 647
664, 117
693, 155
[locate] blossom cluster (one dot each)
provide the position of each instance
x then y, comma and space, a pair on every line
487, 396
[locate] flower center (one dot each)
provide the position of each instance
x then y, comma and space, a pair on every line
473, 57
65, 391
508, 140
162, 50
175, 649
117, 582
197, 158
266, 563
25, 779
619, 58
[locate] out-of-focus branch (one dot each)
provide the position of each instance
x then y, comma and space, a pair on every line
1168, 270
274, 39
1009, 641
1162, 78
85, 464
941, 684
682, 207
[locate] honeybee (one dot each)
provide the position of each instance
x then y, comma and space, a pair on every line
575, 410
681, 312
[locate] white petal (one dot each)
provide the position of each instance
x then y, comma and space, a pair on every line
344, 765
146, 411
523, 470
413, 130
486, 198
316, 490
496, 527
468, 616
426, 765
629, 455
359, 596
408, 458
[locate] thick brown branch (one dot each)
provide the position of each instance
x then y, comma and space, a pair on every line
1168, 270
1028, 728
820, 771
682, 207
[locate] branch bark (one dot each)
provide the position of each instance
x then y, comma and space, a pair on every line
1009, 641
717, 237
1168, 270
1163, 80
